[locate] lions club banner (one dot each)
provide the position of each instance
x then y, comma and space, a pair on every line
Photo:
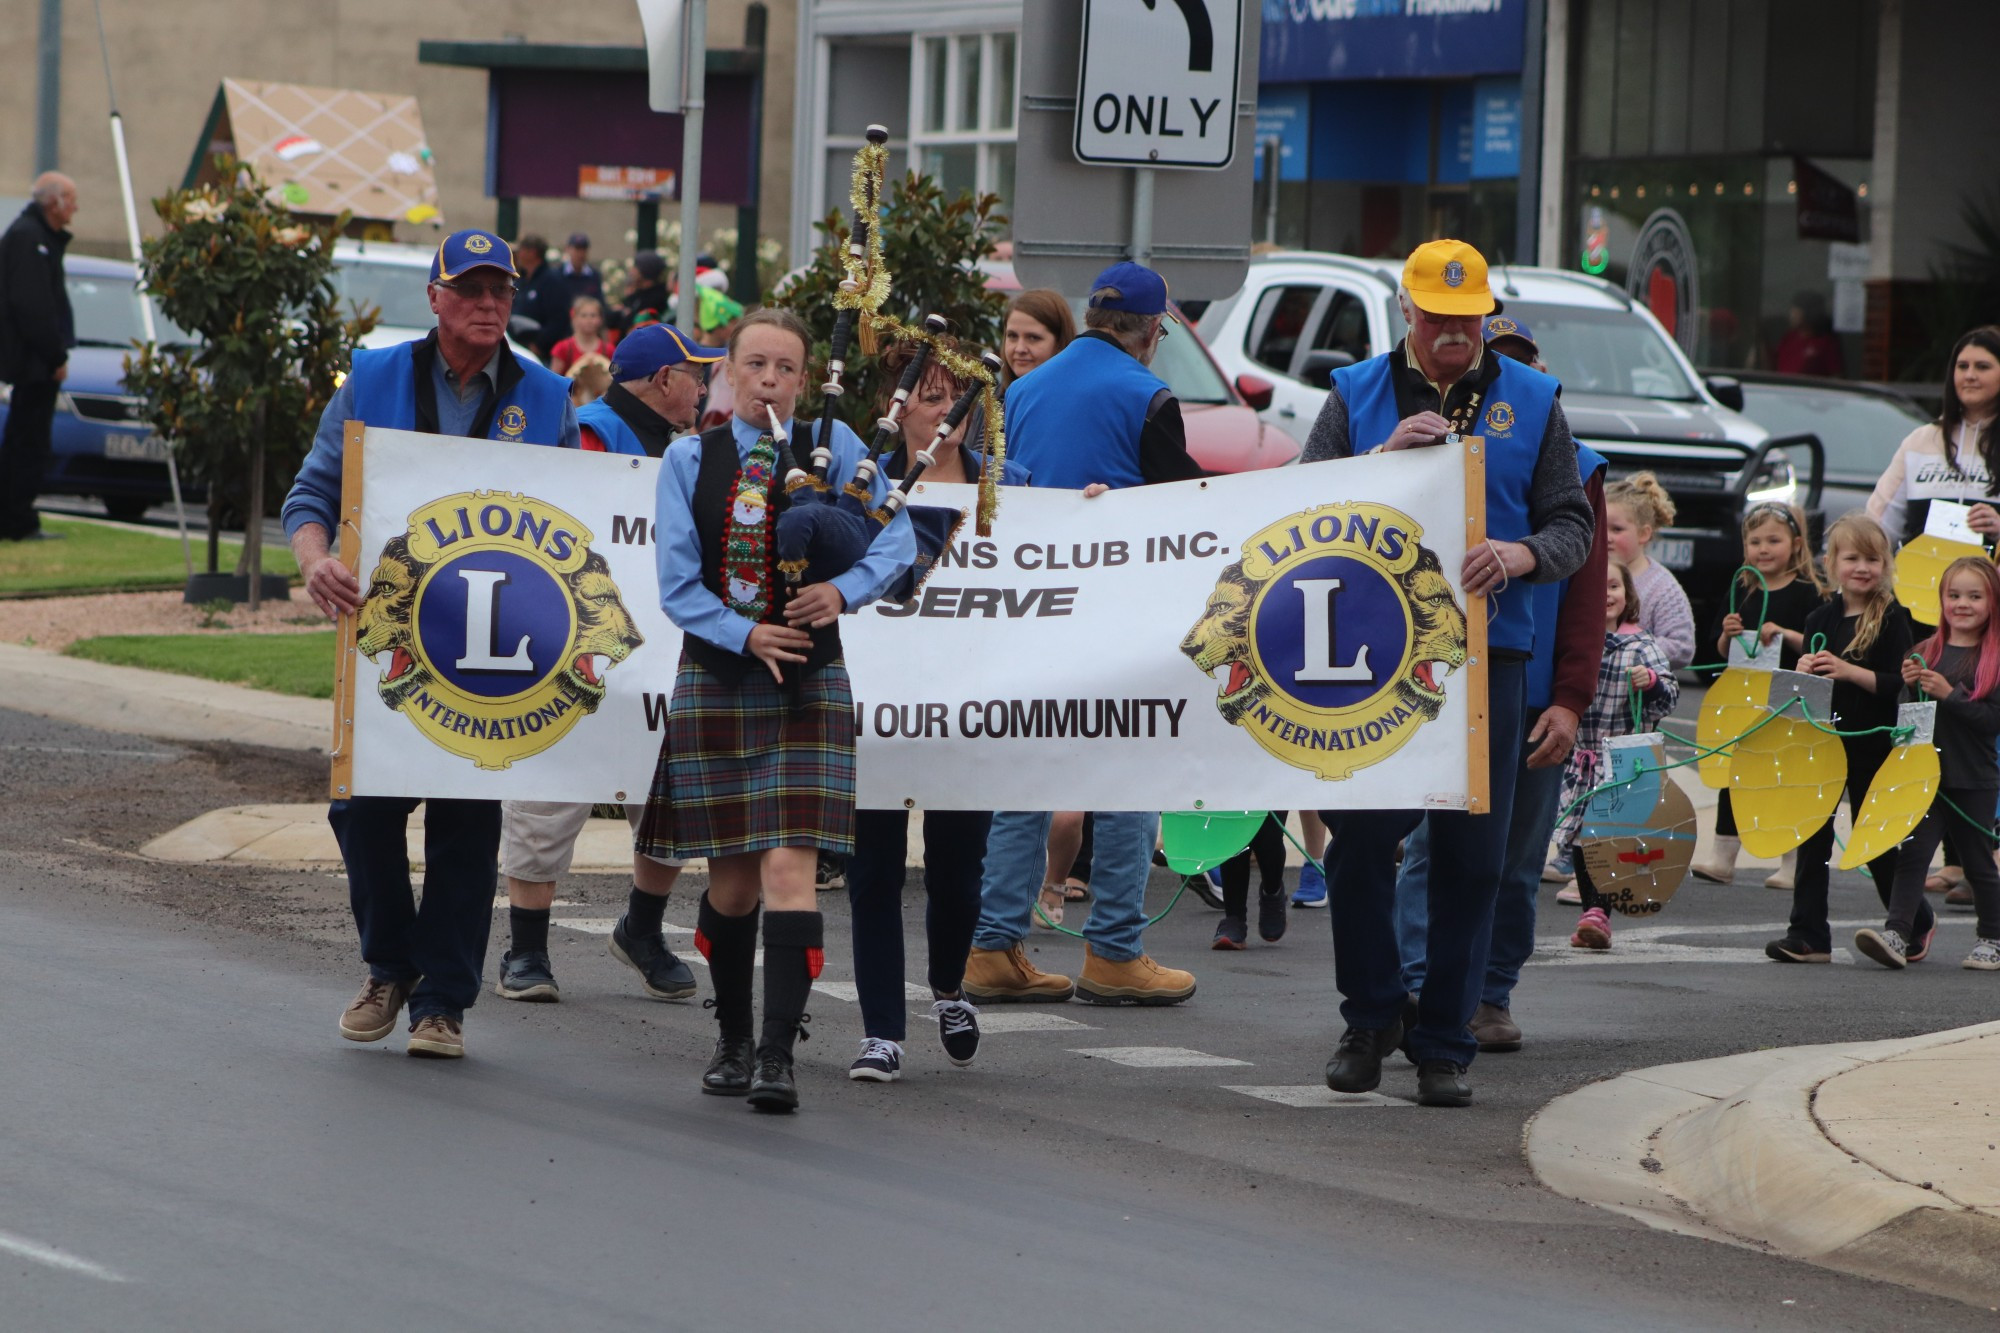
1275, 640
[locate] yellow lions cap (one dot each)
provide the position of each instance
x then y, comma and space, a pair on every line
1448, 278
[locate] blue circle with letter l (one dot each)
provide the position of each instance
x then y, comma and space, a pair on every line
1331, 632
493, 623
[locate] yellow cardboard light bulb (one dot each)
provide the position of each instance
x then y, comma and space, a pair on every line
1733, 705
1786, 777
1920, 567
1638, 835
1901, 792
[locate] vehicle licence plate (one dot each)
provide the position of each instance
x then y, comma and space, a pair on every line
1673, 552
146, 448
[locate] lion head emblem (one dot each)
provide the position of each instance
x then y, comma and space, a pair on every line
605, 632
1221, 639
386, 624
1439, 627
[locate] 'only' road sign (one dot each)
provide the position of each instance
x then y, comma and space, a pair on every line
1157, 85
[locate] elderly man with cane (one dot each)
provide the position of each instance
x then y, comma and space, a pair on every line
1440, 382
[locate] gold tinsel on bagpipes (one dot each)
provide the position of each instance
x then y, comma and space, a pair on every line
866, 287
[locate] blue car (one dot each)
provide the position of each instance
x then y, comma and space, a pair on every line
98, 445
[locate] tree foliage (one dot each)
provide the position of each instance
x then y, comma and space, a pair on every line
933, 249
234, 267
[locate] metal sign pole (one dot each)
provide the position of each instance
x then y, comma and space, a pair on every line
1142, 215
145, 298
694, 51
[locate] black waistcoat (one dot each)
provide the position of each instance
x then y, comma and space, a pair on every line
713, 483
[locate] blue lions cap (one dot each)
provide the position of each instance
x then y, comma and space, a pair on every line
642, 352
1505, 326
470, 249
1140, 291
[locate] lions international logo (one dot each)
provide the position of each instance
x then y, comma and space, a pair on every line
1454, 274
1500, 418
513, 421
1333, 635
493, 623
478, 244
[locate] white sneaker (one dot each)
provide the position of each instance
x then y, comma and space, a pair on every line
880, 1061
1888, 947
1985, 957
958, 1030
1570, 895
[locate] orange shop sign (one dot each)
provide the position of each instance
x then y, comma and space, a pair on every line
631, 183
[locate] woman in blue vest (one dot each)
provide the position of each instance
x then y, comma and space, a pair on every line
756, 771
459, 379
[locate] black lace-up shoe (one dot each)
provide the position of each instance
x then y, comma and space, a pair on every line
527, 976
958, 1030
728, 1072
663, 976
1357, 1061
772, 1087
1442, 1083
1271, 914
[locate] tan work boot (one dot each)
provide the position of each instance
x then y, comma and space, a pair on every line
437, 1037
1141, 981
1722, 869
1494, 1029
371, 1015
1005, 976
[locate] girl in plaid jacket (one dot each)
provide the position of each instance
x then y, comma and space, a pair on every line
1633, 663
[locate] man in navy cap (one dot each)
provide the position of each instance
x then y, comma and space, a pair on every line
1092, 418
458, 379
659, 377
578, 274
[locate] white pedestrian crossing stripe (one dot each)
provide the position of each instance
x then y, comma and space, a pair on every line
1156, 1057
1655, 944
1307, 1095
602, 925
990, 1023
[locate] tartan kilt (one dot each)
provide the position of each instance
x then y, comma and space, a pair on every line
741, 770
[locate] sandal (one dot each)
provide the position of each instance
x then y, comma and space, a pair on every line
1945, 880
1074, 892
1049, 915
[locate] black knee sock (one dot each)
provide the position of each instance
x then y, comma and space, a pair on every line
644, 912
1236, 885
530, 930
729, 943
1268, 846
794, 949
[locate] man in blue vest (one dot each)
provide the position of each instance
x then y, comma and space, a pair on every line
459, 379
659, 377
1436, 383
1092, 418
1562, 679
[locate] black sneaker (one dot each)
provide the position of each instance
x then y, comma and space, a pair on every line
527, 976
880, 1061
1792, 949
664, 976
772, 1087
1230, 932
1357, 1062
958, 1030
1442, 1083
1271, 914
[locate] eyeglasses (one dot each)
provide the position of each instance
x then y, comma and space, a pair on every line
1165, 329
480, 291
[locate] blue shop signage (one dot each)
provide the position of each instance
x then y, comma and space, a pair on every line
1310, 40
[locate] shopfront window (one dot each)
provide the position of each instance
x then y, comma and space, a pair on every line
868, 83
967, 118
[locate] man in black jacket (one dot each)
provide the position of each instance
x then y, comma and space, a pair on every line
36, 332
541, 294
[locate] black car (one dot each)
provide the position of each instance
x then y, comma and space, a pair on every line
1859, 425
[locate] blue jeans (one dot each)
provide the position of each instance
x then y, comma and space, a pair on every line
954, 851
1017, 858
440, 945
1536, 794
1466, 858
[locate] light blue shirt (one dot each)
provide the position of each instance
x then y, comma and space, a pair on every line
315, 494
700, 612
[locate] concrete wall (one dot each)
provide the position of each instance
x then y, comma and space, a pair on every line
169, 56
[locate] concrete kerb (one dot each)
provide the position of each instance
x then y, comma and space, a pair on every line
158, 704
1730, 1150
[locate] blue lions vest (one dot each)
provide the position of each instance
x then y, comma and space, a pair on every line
1513, 415
530, 411
1548, 604
1076, 419
608, 426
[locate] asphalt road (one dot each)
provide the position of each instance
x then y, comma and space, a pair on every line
188, 1144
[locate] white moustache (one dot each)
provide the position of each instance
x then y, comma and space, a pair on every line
1444, 340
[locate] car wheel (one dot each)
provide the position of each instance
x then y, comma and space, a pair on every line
126, 508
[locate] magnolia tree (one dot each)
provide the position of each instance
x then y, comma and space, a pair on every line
239, 405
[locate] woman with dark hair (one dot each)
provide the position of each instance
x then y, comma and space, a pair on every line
954, 840
1038, 325
1953, 458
